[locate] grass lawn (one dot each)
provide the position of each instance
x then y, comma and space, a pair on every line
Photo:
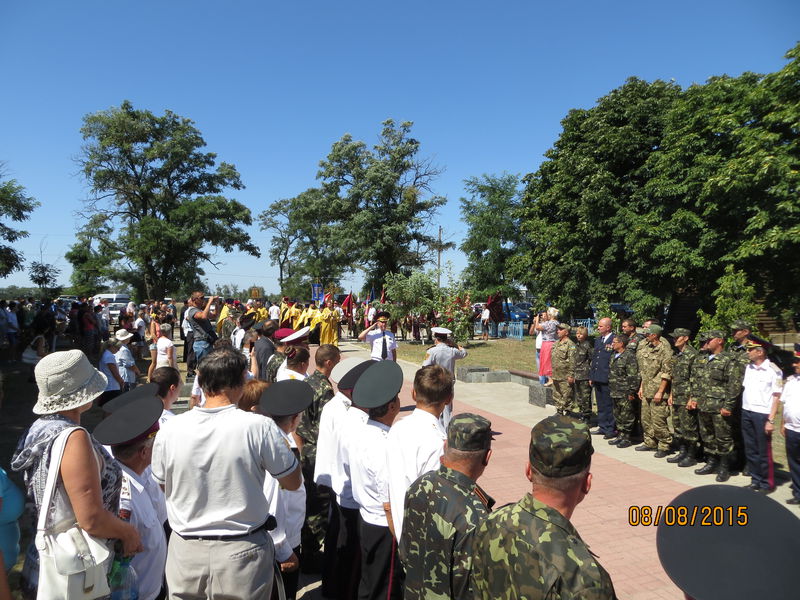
495, 354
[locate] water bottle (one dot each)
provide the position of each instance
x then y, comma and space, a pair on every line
122, 580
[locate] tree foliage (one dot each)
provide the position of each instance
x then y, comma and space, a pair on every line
382, 201
15, 207
491, 214
44, 276
161, 197
658, 192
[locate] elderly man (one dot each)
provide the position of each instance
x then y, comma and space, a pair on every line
382, 344
655, 369
598, 379
212, 462
762, 391
530, 549
443, 510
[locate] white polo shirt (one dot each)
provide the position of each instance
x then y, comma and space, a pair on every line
212, 463
791, 403
761, 383
368, 471
413, 447
375, 340
353, 420
151, 562
327, 468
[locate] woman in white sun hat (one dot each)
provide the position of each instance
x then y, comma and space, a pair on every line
89, 487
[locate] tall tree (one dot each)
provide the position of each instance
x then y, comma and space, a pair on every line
44, 276
383, 200
578, 209
92, 258
490, 212
161, 196
16, 207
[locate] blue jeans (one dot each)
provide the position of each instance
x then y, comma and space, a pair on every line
201, 348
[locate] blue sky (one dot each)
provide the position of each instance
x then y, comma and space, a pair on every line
272, 85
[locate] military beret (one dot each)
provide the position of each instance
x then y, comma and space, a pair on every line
146, 390
282, 333
349, 380
563, 326
655, 329
740, 324
378, 385
469, 432
715, 333
560, 446
284, 398
680, 331
130, 423
740, 519
343, 366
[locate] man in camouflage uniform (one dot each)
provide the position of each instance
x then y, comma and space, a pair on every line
628, 327
530, 549
563, 361
583, 363
443, 509
716, 383
623, 381
741, 331
683, 419
655, 358
317, 497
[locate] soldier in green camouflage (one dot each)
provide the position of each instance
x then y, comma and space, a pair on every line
530, 549
317, 497
563, 377
684, 420
623, 382
740, 331
583, 363
443, 508
628, 327
715, 385
655, 360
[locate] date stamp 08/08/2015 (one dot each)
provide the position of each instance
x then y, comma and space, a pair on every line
687, 516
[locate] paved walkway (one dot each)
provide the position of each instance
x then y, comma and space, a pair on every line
621, 478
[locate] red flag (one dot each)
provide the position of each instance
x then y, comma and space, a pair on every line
347, 304
325, 298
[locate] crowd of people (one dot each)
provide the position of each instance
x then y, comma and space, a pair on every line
276, 470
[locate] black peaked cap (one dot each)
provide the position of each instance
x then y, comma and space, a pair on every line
284, 398
378, 385
140, 392
130, 422
348, 382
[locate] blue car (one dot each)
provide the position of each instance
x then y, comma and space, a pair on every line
513, 312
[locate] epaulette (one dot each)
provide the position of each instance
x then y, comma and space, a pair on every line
485, 498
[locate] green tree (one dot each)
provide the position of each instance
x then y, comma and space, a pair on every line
16, 207
491, 214
734, 298
92, 258
44, 276
161, 197
579, 210
413, 293
382, 199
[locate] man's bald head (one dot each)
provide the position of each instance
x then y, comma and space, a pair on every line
604, 326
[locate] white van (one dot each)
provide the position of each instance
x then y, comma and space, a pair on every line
116, 303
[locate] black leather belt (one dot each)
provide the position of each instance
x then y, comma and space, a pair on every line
268, 525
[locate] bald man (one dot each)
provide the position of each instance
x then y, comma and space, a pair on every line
598, 379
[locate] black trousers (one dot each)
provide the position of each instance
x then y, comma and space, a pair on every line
793, 458
381, 573
342, 570
605, 407
756, 448
188, 351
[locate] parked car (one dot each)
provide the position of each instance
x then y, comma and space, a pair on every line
514, 312
116, 303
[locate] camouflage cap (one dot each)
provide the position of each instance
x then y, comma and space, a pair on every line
655, 329
740, 324
702, 337
469, 432
680, 331
563, 326
715, 333
560, 446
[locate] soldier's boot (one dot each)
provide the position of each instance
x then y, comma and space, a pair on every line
692, 454
724, 471
711, 466
624, 442
683, 451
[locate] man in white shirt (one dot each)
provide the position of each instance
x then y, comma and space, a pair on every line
274, 312
762, 391
212, 462
130, 431
382, 343
416, 442
791, 425
340, 574
377, 392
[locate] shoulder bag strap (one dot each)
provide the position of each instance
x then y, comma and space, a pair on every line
56, 453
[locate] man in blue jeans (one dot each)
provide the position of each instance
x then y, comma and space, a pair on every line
198, 317
598, 379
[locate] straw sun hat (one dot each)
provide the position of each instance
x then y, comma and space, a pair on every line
66, 380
